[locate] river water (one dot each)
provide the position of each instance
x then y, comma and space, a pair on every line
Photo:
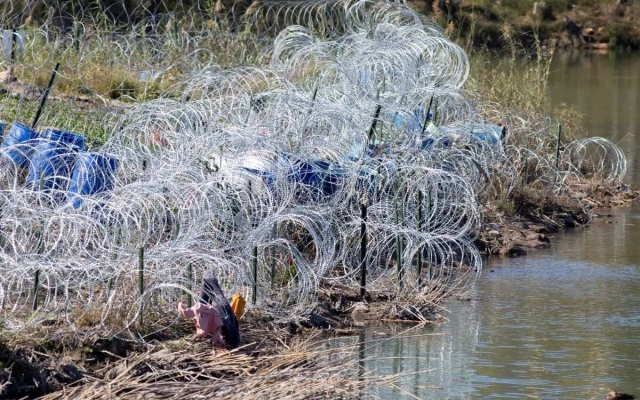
605, 88
562, 323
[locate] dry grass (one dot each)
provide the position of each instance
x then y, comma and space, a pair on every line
132, 64
72, 365
297, 371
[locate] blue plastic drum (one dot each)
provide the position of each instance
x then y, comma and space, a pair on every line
51, 165
489, 134
320, 177
92, 173
68, 138
18, 144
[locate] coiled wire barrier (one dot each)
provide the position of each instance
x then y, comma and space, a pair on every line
260, 174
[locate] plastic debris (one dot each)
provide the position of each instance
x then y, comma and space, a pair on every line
207, 319
213, 315
18, 144
237, 305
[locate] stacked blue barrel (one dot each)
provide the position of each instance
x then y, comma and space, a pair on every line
57, 162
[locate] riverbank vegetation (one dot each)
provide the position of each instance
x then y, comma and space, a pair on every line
353, 166
270, 364
586, 24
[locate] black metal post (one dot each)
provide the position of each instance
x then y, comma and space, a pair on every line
254, 271
374, 123
36, 279
363, 251
189, 283
419, 230
36, 285
426, 117
44, 96
141, 280
558, 151
313, 100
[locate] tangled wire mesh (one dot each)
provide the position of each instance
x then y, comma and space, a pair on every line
259, 174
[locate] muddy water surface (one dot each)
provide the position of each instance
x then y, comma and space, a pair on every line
562, 323
605, 89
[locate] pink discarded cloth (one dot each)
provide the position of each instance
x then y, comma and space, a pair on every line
207, 319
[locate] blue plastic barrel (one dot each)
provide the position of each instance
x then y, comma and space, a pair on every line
51, 164
68, 138
18, 144
92, 173
321, 177
490, 134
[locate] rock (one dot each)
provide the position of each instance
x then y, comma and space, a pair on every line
340, 303
6, 76
409, 312
536, 237
164, 356
292, 328
359, 311
82, 89
316, 321
67, 373
493, 227
547, 228
515, 251
570, 221
413, 313
322, 318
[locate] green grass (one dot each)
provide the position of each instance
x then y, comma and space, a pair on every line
109, 62
69, 114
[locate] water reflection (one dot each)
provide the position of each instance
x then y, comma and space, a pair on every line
606, 89
427, 361
559, 324
620, 234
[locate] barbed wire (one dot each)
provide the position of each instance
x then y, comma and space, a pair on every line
267, 167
